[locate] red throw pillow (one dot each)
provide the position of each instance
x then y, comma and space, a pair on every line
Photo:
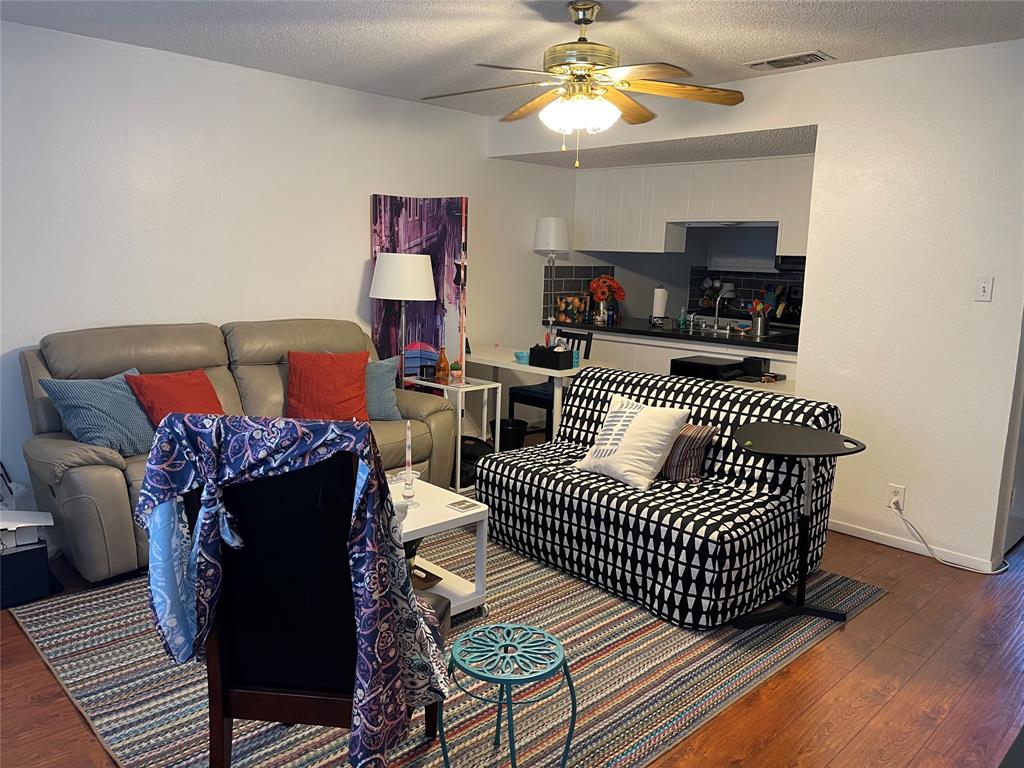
185, 392
323, 385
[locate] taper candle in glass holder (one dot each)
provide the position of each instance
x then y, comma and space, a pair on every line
408, 491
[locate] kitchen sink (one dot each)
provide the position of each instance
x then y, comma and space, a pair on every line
711, 332
726, 333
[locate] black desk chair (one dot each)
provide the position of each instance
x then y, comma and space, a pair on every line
282, 646
543, 395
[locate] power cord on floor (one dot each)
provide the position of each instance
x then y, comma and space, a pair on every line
897, 509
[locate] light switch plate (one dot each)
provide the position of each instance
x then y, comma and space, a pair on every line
983, 287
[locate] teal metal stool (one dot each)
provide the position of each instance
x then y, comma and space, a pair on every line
509, 655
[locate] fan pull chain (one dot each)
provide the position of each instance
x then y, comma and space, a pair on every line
577, 149
563, 142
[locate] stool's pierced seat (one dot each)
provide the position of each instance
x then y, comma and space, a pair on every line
508, 653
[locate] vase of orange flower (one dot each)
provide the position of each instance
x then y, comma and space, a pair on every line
607, 292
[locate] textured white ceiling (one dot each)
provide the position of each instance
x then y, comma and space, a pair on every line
799, 140
414, 48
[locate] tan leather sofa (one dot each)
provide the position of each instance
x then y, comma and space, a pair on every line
91, 490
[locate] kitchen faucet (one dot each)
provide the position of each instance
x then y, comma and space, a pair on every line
721, 295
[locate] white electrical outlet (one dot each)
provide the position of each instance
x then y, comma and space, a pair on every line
983, 287
899, 494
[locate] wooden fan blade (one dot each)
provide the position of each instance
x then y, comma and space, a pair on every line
658, 70
679, 91
484, 90
517, 69
531, 106
633, 112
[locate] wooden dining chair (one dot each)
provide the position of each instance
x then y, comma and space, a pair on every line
282, 647
543, 395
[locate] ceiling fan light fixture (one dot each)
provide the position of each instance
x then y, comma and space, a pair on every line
591, 91
580, 112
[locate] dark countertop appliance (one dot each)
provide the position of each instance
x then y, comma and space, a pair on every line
706, 367
720, 368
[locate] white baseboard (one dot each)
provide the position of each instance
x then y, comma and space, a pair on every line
910, 545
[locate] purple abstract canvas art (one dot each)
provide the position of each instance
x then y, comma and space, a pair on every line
435, 226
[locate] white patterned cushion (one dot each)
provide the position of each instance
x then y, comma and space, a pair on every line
633, 441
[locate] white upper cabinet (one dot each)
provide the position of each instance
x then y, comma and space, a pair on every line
631, 209
794, 196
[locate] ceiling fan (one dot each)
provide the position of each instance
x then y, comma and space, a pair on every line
591, 90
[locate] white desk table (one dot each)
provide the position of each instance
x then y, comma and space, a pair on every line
456, 393
502, 357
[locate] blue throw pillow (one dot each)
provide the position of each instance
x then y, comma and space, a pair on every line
381, 403
102, 412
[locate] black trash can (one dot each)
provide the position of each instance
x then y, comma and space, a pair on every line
473, 449
513, 433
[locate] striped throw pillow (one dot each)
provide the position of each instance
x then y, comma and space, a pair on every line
102, 412
685, 461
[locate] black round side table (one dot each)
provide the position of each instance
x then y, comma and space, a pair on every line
807, 444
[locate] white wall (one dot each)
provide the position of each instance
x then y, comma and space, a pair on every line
143, 186
917, 188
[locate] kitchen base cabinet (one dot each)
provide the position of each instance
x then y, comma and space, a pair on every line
633, 353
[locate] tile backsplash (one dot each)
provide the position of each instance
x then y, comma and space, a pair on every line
571, 280
749, 285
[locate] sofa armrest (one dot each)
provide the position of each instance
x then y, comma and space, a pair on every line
419, 405
52, 454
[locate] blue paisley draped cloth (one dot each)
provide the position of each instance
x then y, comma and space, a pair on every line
399, 659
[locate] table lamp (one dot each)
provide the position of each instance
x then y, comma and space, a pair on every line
550, 238
403, 277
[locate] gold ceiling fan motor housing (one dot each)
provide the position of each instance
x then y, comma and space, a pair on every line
580, 57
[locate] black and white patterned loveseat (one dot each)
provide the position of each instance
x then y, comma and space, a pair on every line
696, 555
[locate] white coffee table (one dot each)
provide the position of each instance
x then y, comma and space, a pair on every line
433, 516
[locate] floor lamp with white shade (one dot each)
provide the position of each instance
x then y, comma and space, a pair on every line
550, 238
403, 277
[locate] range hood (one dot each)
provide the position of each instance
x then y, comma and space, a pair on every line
731, 224
736, 246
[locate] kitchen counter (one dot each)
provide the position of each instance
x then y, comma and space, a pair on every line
785, 341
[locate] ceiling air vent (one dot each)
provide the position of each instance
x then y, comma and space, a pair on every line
793, 60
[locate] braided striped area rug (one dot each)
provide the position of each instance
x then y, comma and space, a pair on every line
643, 685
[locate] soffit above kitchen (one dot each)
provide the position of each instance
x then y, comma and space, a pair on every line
777, 142
410, 50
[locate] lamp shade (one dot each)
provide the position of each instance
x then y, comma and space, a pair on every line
405, 276
551, 235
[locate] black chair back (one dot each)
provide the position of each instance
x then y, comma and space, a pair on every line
576, 339
285, 617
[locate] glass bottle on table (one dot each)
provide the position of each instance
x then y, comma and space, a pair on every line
442, 371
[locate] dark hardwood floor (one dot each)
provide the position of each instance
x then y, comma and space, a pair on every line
930, 676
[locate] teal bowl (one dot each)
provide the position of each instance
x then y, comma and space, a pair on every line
523, 358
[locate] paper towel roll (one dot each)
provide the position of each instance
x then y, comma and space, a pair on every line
660, 302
